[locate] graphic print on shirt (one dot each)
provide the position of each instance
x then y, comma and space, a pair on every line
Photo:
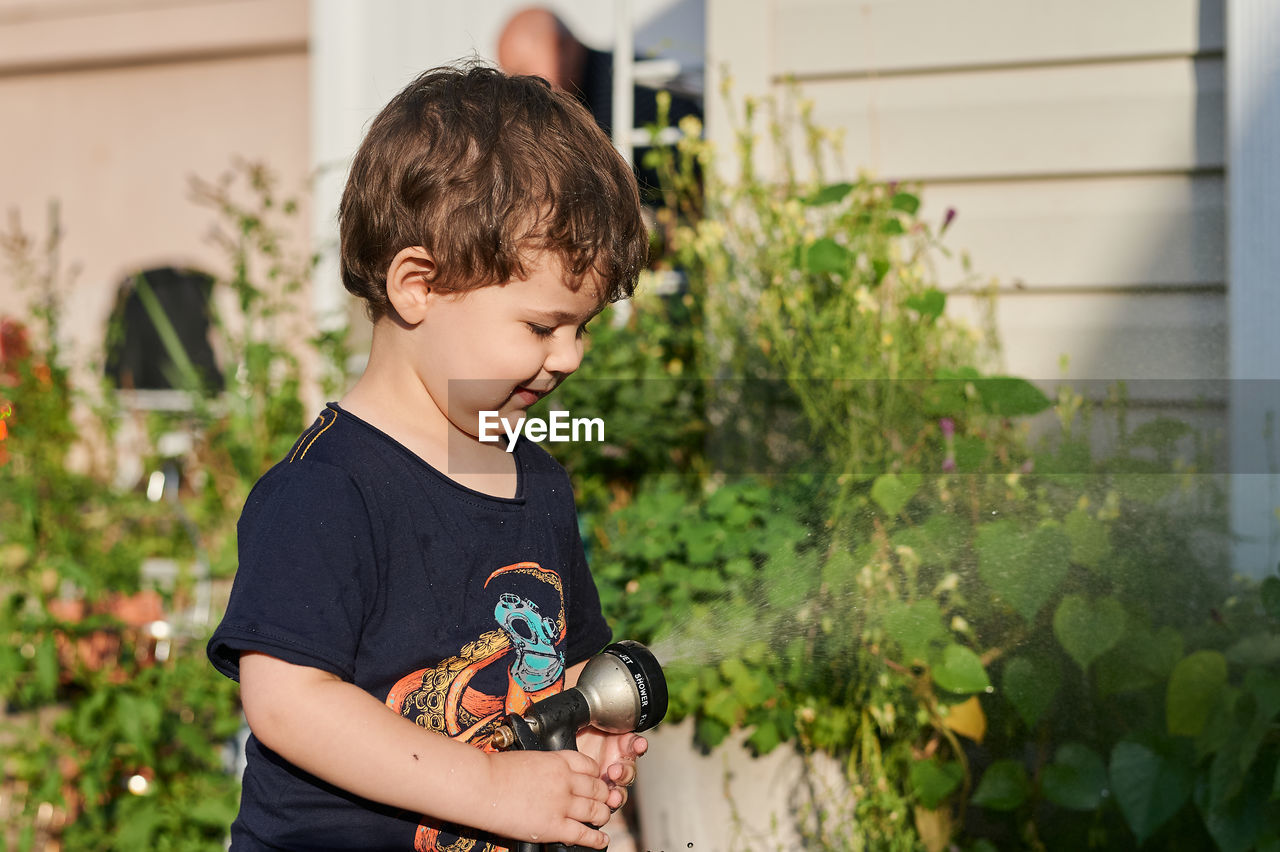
502, 671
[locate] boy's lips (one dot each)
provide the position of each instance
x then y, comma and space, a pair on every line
529, 396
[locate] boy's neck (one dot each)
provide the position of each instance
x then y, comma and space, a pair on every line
391, 398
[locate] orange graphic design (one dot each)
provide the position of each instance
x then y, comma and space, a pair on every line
503, 671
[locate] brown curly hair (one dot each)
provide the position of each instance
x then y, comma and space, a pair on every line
480, 168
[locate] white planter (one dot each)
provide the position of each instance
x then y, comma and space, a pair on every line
730, 801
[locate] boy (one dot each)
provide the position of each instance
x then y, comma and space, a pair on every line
400, 579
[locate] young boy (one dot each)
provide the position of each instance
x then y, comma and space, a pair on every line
400, 579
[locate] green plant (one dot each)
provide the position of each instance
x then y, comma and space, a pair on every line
116, 728
1007, 645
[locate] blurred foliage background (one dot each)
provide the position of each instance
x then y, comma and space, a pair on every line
818, 499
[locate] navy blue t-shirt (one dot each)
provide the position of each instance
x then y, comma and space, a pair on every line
451, 606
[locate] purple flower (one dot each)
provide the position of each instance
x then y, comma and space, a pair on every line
949, 464
948, 428
948, 219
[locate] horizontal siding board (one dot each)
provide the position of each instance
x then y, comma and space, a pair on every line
1172, 336
124, 34
1157, 231
829, 37
1158, 116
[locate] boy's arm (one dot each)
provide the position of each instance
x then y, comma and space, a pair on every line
355, 742
617, 753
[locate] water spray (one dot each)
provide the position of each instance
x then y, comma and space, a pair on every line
621, 690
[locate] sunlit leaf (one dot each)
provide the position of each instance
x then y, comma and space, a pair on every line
906, 202
915, 626
828, 257
829, 194
1006, 396
1090, 539
893, 491
1088, 628
967, 719
1022, 568
1194, 688
960, 671
931, 781
930, 304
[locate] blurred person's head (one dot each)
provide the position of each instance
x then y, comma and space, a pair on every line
536, 42
484, 172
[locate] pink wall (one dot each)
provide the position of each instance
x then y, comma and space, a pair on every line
111, 108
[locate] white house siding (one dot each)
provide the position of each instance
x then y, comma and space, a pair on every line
1081, 143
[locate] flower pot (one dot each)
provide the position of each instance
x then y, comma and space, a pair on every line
729, 800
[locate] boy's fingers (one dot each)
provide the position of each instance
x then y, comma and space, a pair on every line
579, 762
588, 836
623, 773
590, 788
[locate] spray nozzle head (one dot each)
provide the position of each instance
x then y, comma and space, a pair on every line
625, 688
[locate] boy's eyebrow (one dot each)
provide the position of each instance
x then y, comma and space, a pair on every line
561, 317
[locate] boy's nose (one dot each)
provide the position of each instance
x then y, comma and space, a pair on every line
565, 355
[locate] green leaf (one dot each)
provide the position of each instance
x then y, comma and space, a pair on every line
1160, 434
1259, 649
1030, 685
1150, 787
960, 671
828, 257
1269, 591
879, 269
1023, 569
829, 194
915, 627
892, 491
710, 732
765, 738
930, 304
1235, 824
1004, 786
1088, 629
1005, 396
906, 202
931, 782
1141, 659
1194, 687
1090, 539
1077, 778
934, 540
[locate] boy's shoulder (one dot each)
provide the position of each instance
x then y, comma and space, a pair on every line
339, 451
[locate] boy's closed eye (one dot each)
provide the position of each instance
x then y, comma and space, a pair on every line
547, 331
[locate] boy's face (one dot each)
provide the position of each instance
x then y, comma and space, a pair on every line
503, 347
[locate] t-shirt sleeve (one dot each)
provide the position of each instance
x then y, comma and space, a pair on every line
588, 631
306, 572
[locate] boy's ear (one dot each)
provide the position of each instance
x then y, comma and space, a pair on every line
409, 281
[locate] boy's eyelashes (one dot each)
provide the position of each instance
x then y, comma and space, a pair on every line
540, 330
548, 331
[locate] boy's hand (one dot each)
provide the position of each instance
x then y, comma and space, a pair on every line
549, 797
617, 753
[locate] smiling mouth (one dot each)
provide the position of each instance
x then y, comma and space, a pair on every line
529, 395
